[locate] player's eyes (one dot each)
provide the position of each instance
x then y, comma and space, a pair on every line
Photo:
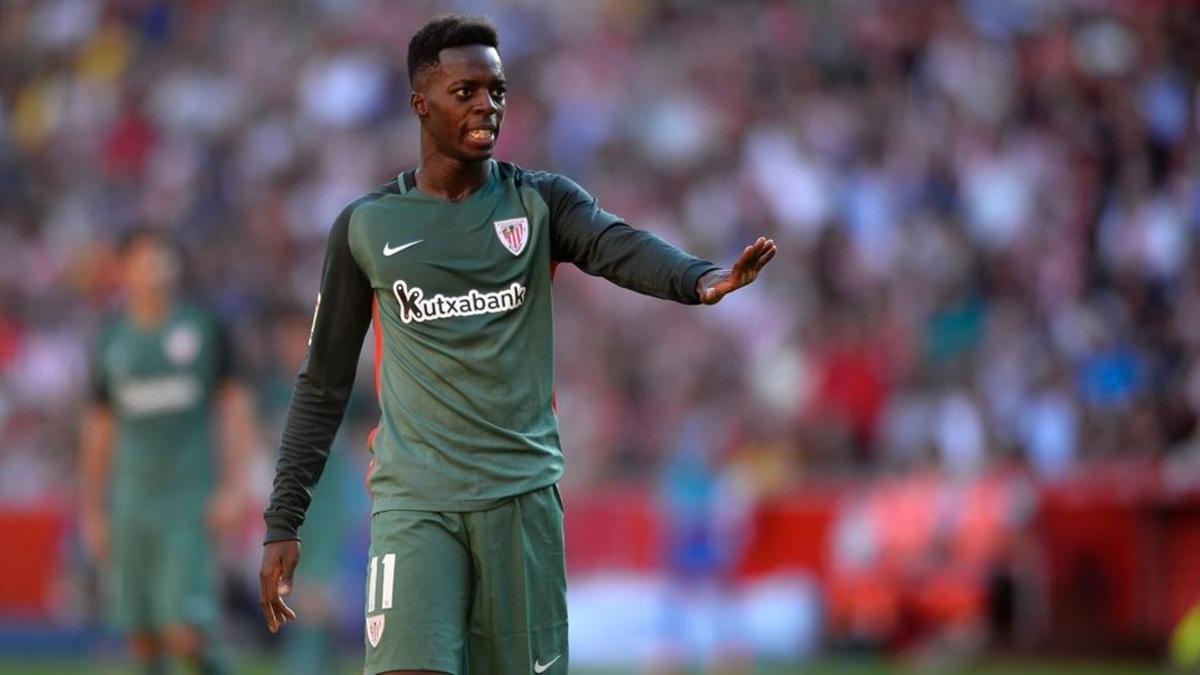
465, 94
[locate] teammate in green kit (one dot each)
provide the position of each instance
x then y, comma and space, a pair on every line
453, 262
153, 489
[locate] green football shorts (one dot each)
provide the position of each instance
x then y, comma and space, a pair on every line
163, 573
478, 592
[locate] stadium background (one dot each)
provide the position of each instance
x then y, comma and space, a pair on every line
954, 422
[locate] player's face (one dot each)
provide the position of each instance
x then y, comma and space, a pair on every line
461, 102
150, 269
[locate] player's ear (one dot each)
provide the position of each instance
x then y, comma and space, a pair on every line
418, 104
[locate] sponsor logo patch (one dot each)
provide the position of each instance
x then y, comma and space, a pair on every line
414, 306
513, 233
375, 629
158, 395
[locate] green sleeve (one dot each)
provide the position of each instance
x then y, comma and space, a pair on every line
324, 384
601, 244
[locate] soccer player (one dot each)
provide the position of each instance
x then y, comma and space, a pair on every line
152, 488
453, 261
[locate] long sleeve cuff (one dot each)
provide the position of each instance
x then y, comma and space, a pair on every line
280, 527
691, 277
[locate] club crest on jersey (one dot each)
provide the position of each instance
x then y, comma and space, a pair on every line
513, 233
375, 628
182, 345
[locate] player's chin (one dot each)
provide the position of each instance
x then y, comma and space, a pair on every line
473, 155
477, 150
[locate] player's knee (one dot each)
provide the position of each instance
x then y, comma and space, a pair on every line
183, 641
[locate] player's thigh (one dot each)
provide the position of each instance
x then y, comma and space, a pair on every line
186, 578
418, 590
519, 604
128, 592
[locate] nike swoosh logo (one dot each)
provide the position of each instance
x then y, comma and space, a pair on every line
539, 668
388, 250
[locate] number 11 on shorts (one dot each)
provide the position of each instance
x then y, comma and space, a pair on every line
389, 580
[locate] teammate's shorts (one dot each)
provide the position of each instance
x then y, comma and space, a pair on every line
478, 593
162, 573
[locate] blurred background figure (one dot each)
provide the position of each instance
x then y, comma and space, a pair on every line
155, 484
704, 509
974, 373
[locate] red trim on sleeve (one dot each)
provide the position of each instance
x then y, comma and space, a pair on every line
377, 327
371, 466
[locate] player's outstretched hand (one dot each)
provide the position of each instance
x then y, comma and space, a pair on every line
279, 562
719, 283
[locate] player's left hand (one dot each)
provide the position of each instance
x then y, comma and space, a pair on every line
719, 283
275, 577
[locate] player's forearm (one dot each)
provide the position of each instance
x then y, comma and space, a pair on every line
312, 421
323, 387
97, 433
640, 261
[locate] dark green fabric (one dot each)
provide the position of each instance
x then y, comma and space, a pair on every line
472, 592
163, 572
161, 385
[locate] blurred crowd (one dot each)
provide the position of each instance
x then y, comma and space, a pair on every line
988, 213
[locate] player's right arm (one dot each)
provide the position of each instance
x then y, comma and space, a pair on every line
97, 433
319, 399
97, 440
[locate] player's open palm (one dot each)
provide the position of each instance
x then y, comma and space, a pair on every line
719, 283
275, 581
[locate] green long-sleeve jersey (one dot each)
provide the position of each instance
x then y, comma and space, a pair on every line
161, 384
460, 297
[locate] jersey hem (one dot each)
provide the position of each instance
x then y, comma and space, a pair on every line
383, 504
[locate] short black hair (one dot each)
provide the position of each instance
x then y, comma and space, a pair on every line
444, 32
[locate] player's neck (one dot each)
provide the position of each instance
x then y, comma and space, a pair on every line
451, 179
148, 311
